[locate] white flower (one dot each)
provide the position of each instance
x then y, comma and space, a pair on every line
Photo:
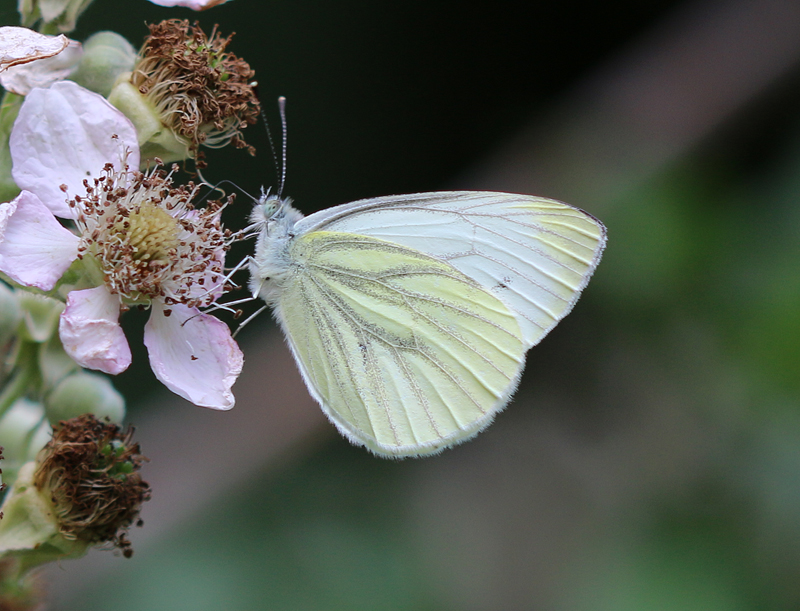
139, 240
197, 5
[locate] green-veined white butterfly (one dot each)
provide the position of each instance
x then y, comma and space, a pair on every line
409, 316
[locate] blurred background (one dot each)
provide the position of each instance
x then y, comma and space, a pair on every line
650, 459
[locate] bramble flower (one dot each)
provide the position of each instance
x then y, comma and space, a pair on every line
185, 91
138, 242
197, 5
90, 471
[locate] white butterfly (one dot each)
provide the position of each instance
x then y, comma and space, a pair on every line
409, 316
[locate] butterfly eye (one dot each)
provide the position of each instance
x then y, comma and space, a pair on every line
270, 207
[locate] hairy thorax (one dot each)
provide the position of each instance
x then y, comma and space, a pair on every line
271, 266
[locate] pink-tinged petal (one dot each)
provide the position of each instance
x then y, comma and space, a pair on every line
35, 249
90, 331
20, 45
197, 5
193, 355
44, 72
63, 136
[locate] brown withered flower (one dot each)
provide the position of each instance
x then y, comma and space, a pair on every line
90, 473
193, 92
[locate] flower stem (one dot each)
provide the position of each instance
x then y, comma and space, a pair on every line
26, 372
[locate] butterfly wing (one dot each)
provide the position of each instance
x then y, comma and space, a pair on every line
535, 254
405, 354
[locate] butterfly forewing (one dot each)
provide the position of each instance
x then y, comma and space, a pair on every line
535, 254
406, 353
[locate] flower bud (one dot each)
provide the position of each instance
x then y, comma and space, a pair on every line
54, 363
85, 393
106, 55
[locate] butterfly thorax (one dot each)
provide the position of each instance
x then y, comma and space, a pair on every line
274, 218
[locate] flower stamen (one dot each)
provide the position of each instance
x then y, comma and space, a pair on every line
147, 240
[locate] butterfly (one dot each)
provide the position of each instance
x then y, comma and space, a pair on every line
410, 316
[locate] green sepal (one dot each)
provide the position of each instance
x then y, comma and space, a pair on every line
106, 55
29, 530
155, 139
24, 431
58, 16
39, 316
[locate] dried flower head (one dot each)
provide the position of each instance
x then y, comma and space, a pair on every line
90, 470
200, 91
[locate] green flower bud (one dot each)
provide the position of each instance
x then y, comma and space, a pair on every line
54, 363
40, 315
106, 55
10, 313
85, 393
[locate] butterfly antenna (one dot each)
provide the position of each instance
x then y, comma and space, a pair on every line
217, 187
278, 170
282, 108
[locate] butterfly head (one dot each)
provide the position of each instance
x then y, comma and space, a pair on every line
272, 213
271, 206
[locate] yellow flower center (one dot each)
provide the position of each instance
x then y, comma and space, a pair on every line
144, 240
150, 232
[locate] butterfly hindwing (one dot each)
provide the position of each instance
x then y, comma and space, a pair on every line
405, 353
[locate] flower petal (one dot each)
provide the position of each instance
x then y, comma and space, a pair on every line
193, 354
197, 5
44, 72
90, 332
35, 249
64, 135
21, 45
